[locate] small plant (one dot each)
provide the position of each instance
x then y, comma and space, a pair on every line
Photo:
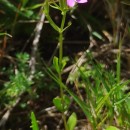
105, 95
18, 79
106, 102
101, 95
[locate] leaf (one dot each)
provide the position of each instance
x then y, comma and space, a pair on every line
64, 62
96, 34
104, 100
46, 7
46, 11
62, 104
58, 103
56, 64
34, 122
28, 13
13, 8
67, 102
127, 105
72, 121
36, 6
83, 105
112, 128
85, 108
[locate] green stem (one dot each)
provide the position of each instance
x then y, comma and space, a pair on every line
61, 39
60, 64
119, 62
60, 30
60, 49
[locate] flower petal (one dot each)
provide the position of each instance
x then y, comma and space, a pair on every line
81, 1
70, 3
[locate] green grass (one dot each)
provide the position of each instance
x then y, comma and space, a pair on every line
106, 103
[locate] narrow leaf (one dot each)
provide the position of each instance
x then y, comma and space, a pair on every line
112, 128
34, 122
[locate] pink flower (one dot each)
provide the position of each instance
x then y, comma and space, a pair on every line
71, 3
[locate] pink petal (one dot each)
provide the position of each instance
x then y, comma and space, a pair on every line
81, 1
70, 3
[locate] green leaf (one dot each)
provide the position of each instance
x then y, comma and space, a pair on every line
28, 13
58, 103
55, 7
46, 11
13, 8
96, 34
64, 62
46, 7
127, 105
34, 122
85, 108
56, 64
69, 24
36, 6
112, 128
83, 105
23, 57
61, 104
67, 102
104, 100
72, 121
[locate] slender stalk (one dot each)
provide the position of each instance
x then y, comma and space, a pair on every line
118, 71
60, 65
60, 30
61, 39
60, 49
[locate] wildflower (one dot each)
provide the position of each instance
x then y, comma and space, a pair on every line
71, 3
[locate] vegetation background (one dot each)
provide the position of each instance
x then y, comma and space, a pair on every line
93, 72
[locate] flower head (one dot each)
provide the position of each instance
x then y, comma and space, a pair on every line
71, 3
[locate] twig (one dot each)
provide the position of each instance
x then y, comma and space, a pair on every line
35, 44
5, 117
